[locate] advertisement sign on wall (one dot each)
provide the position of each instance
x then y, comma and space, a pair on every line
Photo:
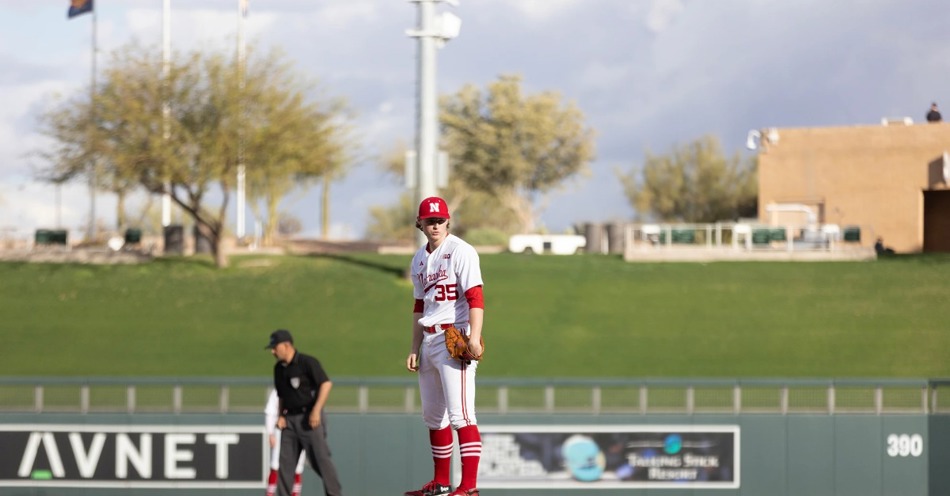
609, 457
156, 456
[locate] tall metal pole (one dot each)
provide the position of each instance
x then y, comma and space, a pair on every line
426, 118
59, 205
166, 105
241, 179
94, 173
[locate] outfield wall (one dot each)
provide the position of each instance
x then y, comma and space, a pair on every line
523, 454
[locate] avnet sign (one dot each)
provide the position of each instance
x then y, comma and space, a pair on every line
132, 456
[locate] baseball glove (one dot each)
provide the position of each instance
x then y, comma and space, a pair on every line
457, 344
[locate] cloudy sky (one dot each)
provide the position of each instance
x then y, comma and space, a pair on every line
646, 73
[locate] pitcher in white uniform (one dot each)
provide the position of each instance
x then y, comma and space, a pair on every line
447, 287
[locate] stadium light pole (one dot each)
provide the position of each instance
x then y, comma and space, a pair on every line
432, 32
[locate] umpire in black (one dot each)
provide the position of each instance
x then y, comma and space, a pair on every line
303, 387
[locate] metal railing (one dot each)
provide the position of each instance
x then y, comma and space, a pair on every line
502, 396
745, 236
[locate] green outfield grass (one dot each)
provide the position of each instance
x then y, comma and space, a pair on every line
547, 316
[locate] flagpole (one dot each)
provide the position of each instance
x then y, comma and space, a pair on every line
166, 106
93, 176
241, 173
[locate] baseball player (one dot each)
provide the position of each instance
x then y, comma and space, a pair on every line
271, 413
447, 286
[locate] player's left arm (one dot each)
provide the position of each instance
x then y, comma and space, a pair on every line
469, 274
476, 317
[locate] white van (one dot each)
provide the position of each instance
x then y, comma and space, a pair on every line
556, 244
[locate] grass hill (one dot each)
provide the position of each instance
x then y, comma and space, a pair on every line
547, 316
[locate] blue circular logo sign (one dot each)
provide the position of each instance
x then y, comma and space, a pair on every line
672, 444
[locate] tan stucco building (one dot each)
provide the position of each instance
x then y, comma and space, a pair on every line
891, 180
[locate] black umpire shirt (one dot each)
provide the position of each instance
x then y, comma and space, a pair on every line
298, 382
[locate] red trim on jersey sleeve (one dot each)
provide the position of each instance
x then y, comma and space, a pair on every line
418, 307
475, 297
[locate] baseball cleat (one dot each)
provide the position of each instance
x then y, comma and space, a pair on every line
432, 488
465, 492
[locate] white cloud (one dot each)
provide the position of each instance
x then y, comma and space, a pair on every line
532, 10
189, 28
16, 118
341, 15
662, 13
599, 75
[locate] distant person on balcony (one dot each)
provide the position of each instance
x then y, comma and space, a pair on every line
880, 249
934, 114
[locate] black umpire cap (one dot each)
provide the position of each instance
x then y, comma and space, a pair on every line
279, 336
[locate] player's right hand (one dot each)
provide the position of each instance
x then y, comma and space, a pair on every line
412, 362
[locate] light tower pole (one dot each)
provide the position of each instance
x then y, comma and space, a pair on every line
432, 32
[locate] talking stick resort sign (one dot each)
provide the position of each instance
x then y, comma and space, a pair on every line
609, 457
157, 456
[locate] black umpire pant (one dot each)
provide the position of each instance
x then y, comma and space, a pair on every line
297, 437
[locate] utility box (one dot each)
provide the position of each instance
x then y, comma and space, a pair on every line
202, 242
174, 239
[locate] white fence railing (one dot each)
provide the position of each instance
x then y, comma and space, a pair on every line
596, 396
747, 236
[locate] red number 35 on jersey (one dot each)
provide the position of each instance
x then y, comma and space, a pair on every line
445, 292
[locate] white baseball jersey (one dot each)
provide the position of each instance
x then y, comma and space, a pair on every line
271, 413
441, 278
270, 423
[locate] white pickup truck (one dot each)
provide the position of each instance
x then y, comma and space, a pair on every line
556, 244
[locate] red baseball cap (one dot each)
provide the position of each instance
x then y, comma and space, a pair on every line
433, 207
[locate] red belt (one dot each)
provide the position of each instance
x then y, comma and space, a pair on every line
432, 329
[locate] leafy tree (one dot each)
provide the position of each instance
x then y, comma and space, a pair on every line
395, 223
513, 147
76, 153
294, 142
193, 155
288, 224
693, 183
505, 149
470, 209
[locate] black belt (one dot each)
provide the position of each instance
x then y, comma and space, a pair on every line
297, 411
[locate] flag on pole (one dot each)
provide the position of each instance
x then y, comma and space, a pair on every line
78, 7
244, 8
